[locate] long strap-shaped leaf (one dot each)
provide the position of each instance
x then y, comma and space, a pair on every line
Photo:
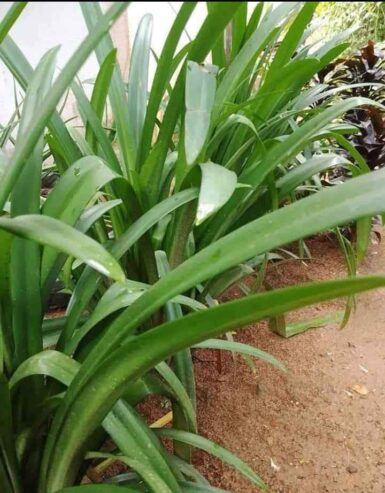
89, 281
141, 353
359, 198
54, 233
67, 200
41, 119
10, 18
20, 68
162, 75
92, 14
214, 449
100, 488
123, 424
25, 199
211, 29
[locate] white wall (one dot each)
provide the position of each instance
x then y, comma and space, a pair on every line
43, 25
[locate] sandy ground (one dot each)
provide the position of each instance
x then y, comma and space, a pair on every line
308, 430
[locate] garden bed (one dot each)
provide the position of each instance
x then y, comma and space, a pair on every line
308, 430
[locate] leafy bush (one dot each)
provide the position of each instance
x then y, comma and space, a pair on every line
185, 191
362, 74
364, 19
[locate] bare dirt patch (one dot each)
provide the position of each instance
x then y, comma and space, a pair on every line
319, 428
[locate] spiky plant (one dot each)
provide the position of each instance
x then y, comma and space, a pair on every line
183, 191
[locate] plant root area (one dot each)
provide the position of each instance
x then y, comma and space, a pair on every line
321, 426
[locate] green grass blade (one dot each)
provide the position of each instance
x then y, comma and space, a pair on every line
25, 199
180, 393
306, 170
238, 30
20, 68
286, 150
94, 213
184, 369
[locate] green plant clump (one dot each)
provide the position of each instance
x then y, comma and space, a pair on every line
165, 199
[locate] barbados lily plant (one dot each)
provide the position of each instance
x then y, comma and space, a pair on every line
165, 197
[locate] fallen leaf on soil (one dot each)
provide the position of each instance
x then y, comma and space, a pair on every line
360, 389
365, 370
274, 465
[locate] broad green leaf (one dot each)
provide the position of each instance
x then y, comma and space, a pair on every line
51, 232
200, 94
49, 363
218, 185
67, 201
